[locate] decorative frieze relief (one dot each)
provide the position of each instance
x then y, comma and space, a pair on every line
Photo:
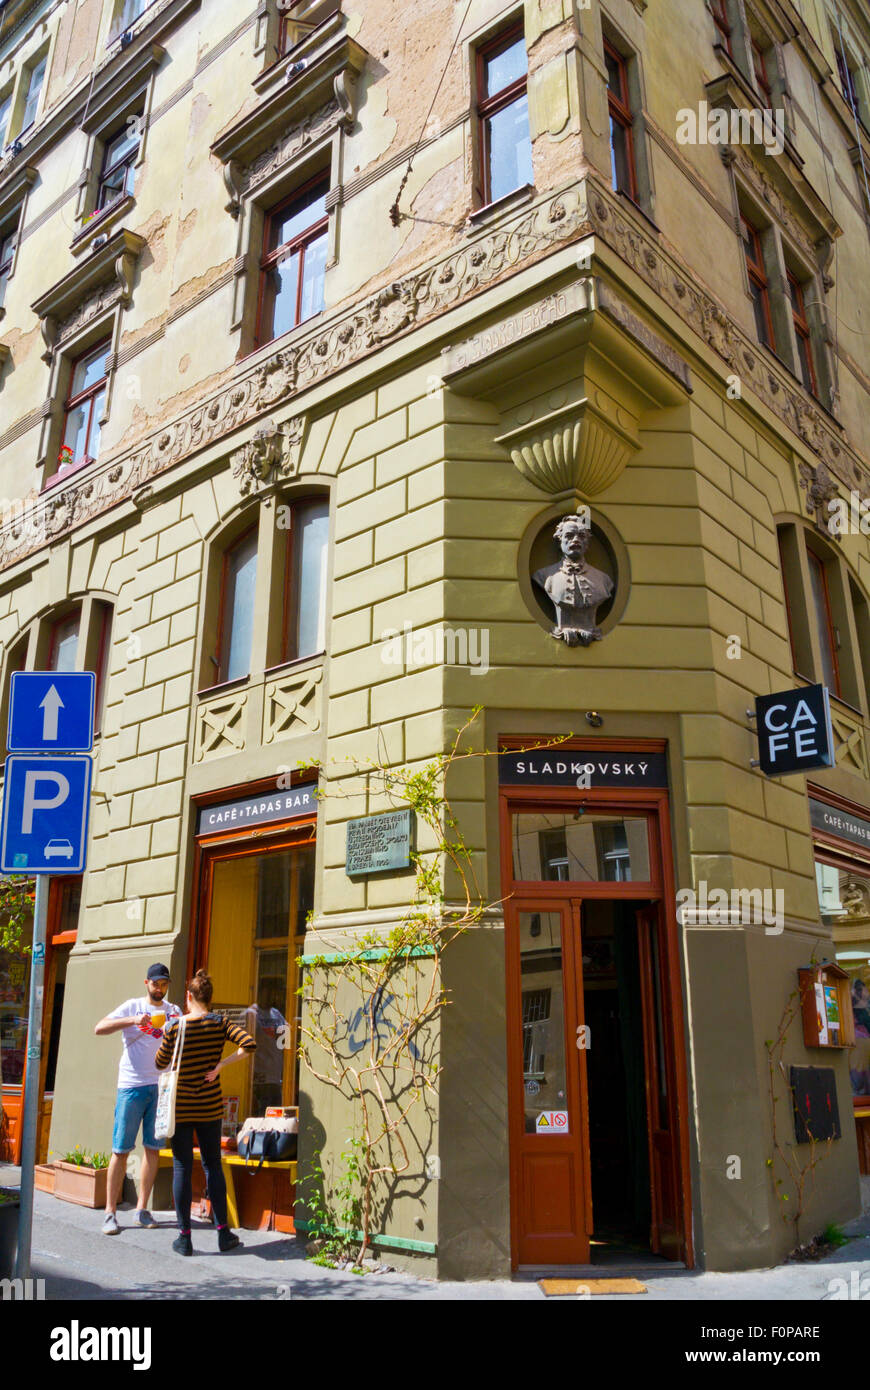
418, 298
271, 456
821, 488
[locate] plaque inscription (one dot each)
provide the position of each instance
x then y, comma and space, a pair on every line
379, 844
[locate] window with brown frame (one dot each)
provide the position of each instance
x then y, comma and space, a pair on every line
304, 614
802, 334
759, 64
824, 622
293, 265
758, 283
299, 18
719, 10
236, 614
7, 253
84, 406
622, 170
503, 115
63, 642
117, 174
847, 78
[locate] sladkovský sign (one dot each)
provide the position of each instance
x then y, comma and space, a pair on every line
379, 844
560, 768
257, 810
835, 822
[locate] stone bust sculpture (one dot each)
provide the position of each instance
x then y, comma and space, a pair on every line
575, 589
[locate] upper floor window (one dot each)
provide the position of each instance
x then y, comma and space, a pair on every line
293, 265
758, 283
802, 334
719, 10
117, 174
846, 74
127, 13
760, 60
299, 18
622, 169
7, 253
305, 580
87, 396
5, 116
503, 111
63, 643
34, 87
827, 615
236, 621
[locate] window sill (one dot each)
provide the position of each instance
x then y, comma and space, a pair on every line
295, 663
270, 343
634, 209
96, 226
223, 687
63, 474
490, 212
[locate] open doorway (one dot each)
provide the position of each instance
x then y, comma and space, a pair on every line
616, 1081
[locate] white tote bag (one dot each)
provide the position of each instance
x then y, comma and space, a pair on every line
167, 1090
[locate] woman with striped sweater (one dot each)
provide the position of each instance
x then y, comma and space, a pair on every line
199, 1105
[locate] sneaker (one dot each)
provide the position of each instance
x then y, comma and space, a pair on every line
110, 1225
183, 1245
227, 1239
145, 1219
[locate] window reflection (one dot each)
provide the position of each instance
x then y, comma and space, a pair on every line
568, 846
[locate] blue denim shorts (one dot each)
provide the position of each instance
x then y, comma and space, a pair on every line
135, 1106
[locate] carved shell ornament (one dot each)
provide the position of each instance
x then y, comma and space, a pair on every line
581, 447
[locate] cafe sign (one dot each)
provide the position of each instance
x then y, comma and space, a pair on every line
831, 821
257, 810
794, 731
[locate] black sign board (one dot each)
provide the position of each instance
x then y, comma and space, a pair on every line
794, 731
257, 810
380, 844
814, 1095
834, 822
558, 767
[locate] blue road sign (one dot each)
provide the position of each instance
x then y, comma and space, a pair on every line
46, 803
51, 712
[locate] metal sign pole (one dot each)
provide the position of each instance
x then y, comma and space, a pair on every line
31, 1079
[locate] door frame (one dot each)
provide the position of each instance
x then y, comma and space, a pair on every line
654, 803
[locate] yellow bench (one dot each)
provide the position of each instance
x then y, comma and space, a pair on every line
229, 1161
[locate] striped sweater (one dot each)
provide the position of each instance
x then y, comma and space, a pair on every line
204, 1040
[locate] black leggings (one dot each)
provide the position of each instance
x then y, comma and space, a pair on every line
208, 1137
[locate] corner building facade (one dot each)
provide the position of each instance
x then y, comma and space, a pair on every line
296, 374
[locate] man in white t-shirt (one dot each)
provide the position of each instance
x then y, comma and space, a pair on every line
141, 1022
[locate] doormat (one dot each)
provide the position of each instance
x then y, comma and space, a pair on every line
555, 1288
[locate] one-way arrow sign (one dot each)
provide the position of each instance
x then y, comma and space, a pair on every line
51, 712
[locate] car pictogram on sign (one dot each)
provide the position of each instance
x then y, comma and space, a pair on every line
58, 849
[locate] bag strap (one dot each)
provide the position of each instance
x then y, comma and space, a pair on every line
179, 1044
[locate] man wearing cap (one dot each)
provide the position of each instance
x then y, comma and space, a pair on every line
141, 1022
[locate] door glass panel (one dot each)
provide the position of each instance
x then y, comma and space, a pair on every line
575, 847
661, 1067
543, 1015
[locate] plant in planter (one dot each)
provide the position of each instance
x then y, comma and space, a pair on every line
9, 1206
80, 1177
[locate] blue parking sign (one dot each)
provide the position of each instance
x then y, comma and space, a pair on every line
51, 712
46, 804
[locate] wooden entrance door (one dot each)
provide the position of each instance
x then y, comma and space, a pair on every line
552, 1197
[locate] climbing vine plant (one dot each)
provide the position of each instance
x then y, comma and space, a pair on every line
369, 1008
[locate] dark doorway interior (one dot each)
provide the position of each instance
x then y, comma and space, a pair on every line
619, 1144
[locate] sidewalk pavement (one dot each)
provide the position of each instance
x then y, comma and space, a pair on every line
78, 1262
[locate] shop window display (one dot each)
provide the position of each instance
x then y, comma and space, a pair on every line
844, 903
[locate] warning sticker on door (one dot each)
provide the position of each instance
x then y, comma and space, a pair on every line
552, 1122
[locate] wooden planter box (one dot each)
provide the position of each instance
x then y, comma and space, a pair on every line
43, 1177
84, 1186
8, 1238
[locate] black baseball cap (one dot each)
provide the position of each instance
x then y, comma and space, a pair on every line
157, 972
